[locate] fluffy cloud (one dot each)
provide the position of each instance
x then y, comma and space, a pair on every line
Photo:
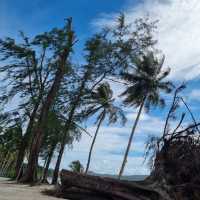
178, 32
111, 143
178, 36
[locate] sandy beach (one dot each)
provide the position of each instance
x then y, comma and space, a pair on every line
11, 191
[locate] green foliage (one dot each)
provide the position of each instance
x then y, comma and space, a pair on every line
101, 101
76, 166
146, 82
56, 95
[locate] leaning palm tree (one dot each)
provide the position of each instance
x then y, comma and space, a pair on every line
144, 87
101, 101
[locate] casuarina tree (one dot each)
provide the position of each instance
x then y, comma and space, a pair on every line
62, 41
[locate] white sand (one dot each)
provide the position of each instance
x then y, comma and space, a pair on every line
11, 191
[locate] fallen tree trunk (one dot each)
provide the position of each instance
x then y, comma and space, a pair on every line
85, 187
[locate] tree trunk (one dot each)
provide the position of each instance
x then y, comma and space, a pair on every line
45, 174
77, 186
6, 160
130, 139
37, 140
67, 128
63, 142
58, 162
25, 143
3, 159
69, 121
93, 141
44, 166
38, 135
20, 160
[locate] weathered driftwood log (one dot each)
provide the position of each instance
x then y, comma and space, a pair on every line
176, 176
80, 186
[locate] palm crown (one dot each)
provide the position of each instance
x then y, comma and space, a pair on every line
101, 100
146, 82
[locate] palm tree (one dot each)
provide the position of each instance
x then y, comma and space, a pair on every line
101, 101
144, 87
76, 166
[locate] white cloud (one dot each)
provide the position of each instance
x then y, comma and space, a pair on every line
178, 32
111, 144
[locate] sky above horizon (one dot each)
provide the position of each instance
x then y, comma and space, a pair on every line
178, 37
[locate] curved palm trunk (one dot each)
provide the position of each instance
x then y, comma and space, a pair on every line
130, 139
93, 142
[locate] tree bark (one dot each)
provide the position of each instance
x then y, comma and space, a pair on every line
69, 121
38, 134
93, 141
45, 174
68, 126
25, 141
130, 139
37, 140
74, 184
57, 167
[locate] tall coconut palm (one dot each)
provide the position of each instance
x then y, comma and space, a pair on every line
145, 85
101, 101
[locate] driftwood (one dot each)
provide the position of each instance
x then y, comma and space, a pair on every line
86, 187
175, 177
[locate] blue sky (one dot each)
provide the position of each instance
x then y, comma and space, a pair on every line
178, 35
41, 15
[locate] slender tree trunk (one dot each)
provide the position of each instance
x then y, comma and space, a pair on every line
5, 161
67, 128
63, 142
9, 167
38, 136
93, 141
44, 166
7, 164
37, 140
68, 123
20, 159
45, 174
57, 167
130, 139
25, 142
